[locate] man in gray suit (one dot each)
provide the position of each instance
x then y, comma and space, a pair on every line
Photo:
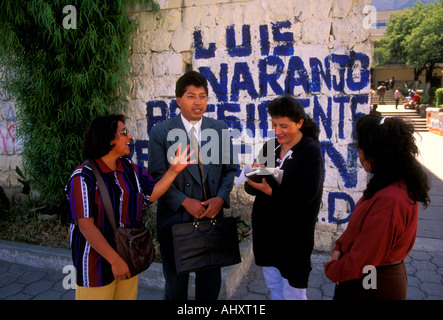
185, 200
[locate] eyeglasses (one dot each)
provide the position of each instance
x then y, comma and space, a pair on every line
124, 132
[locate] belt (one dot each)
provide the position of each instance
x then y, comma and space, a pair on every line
391, 264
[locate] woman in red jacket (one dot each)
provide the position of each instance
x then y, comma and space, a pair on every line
368, 260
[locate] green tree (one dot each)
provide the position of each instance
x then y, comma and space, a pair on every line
63, 68
414, 37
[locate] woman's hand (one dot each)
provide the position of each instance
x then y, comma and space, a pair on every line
181, 160
177, 165
335, 255
257, 165
120, 269
263, 186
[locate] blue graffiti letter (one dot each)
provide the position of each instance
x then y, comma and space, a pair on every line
242, 50
341, 100
346, 168
231, 121
343, 62
296, 65
241, 71
220, 88
264, 40
287, 37
364, 71
332, 197
317, 71
266, 78
326, 118
151, 106
200, 52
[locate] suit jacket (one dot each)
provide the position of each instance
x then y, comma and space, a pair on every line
219, 168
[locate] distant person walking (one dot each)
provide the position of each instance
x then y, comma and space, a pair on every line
392, 83
381, 92
397, 97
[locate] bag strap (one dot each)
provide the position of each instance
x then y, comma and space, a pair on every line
103, 192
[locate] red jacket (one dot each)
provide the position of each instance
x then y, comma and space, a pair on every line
381, 231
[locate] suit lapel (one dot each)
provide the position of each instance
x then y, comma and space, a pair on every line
192, 169
206, 124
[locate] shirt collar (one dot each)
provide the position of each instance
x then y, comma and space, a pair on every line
105, 169
189, 125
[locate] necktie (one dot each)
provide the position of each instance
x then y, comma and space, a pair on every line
195, 146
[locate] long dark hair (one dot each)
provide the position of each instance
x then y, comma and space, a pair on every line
389, 145
288, 106
101, 131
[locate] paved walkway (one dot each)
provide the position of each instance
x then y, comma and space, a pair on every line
23, 282
36, 273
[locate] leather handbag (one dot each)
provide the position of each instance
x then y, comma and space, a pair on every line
205, 244
133, 245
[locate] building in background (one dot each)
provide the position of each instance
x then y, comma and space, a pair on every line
401, 72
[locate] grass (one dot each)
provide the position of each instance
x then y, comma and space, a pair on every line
50, 233
26, 223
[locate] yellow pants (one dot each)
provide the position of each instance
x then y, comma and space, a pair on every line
117, 290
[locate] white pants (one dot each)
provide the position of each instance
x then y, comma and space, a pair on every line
280, 287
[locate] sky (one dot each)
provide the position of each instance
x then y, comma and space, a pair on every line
382, 5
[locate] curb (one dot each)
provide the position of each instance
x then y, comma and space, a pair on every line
232, 276
34, 255
57, 259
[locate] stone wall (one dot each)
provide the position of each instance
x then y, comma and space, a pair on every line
251, 51
10, 148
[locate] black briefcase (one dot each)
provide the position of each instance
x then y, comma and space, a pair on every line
205, 244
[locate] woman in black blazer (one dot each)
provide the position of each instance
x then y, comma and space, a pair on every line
284, 216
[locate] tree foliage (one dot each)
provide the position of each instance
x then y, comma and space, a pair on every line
414, 37
61, 78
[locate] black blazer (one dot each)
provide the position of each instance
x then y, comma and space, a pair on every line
283, 224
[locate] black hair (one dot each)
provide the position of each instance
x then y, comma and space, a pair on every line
190, 78
288, 106
99, 134
389, 145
